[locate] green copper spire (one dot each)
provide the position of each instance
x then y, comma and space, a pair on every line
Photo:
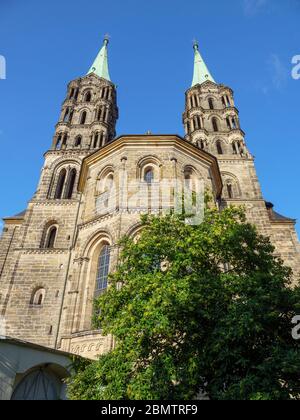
100, 65
201, 72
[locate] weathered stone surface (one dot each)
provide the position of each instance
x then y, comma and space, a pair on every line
63, 275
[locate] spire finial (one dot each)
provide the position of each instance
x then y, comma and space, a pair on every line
100, 65
201, 72
106, 39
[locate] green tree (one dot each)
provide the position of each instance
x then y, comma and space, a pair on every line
194, 309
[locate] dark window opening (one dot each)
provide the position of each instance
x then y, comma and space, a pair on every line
58, 143
65, 139
215, 124
78, 141
219, 148
96, 141
229, 191
83, 118
211, 103
70, 184
60, 184
50, 241
66, 117
88, 97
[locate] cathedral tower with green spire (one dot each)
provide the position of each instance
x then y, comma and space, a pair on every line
89, 113
212, 123
45, 232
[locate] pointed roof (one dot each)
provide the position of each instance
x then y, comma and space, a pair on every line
100, 65
201, 72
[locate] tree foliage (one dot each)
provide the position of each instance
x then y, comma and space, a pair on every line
195, 309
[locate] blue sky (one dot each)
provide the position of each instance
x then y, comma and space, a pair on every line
247, 44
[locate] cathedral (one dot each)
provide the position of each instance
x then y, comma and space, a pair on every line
55, 256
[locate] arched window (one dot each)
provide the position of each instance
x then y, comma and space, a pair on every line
65, 140
58, 143
149, 176
187, 178
96, 141
88, 97
231, 187
66, 117
201, 144
197, 122
78, 141
50, 237
219, 147
60, 184
105, 191
70, 184
234, 124
83, 118
211, 103
196, 126
215, 124
109, 182
102, 270
234, 148
105, 183
38, 297
228, 123
229, 190
190, 179
71, 93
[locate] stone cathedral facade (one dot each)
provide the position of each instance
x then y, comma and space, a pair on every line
56, 255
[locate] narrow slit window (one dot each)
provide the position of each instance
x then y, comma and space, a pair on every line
103, 270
